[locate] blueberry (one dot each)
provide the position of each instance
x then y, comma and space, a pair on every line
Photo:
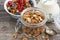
14, 4
30, 1
11, 7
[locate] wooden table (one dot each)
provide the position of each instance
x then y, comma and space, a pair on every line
7, 25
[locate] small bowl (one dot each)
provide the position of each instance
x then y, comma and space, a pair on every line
34, 25
15, 16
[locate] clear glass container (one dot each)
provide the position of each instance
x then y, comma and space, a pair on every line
22, 23
34, 25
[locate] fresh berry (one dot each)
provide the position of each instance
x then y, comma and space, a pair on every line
30, 1
22, 8
24, 2
18, 7
19, 1
10, 3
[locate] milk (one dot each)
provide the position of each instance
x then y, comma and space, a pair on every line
50, 6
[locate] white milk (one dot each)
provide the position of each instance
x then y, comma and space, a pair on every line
50, 6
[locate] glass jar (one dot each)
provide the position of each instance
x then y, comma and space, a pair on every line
24, 24
34, 25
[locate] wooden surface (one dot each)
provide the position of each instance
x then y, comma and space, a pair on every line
7, 24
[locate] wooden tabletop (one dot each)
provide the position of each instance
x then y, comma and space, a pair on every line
7, 25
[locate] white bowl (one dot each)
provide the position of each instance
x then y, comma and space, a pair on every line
15, 16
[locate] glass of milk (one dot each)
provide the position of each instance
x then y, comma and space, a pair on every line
50, 6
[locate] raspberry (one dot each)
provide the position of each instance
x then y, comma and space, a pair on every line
10, 3
23, 8
18, 7
20, 2
24, 2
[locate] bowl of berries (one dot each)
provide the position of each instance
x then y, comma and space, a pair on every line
15, 7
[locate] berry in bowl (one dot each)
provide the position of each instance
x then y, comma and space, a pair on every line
15, 7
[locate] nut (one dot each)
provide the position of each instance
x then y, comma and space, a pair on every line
47, 37
34, 32
37, 38
33, 17
15, 36
25, 39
